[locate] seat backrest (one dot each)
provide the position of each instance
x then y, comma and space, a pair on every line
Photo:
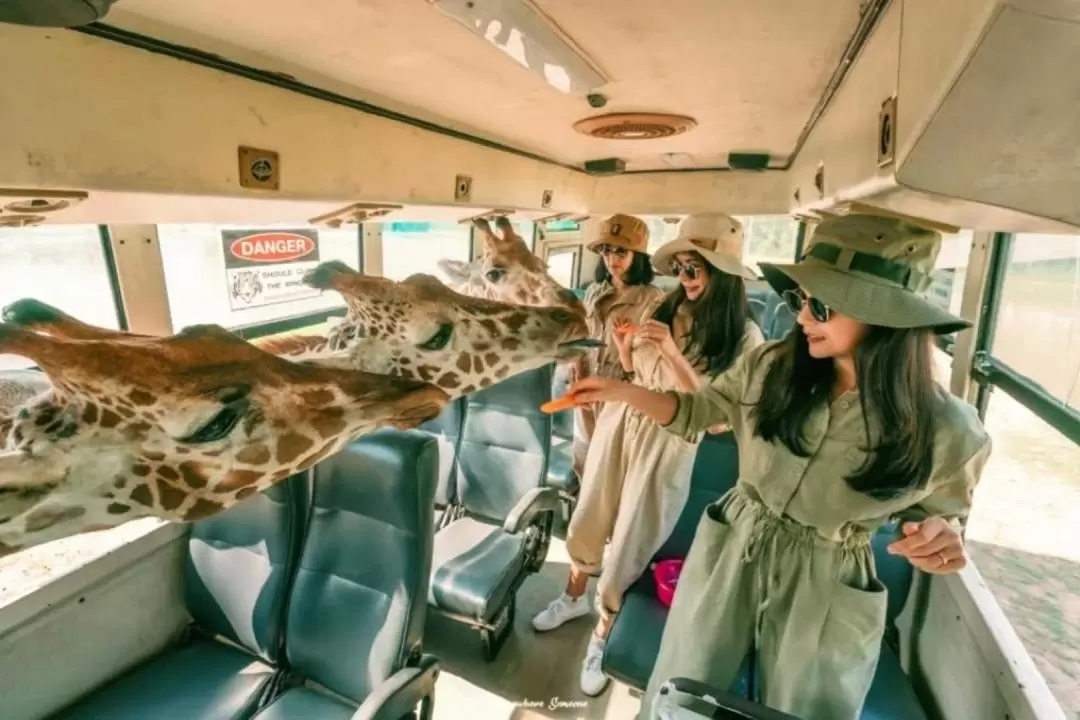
562, 423
357, 610
505, 444
782, 321
716, 468
240, 564
446, 428
894, 571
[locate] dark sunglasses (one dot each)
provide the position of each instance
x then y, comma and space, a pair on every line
611, 250
795, 300
690, 270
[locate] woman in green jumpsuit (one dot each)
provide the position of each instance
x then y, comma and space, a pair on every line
841, 428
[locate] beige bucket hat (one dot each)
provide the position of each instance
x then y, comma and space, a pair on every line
871, 268
625, 231
718, 238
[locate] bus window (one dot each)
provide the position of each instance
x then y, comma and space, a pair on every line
416, 247
63, 265
947, 290
1023, 534
562, 265
237, 275
768, 238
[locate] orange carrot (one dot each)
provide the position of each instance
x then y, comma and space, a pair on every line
625, 328
558, 405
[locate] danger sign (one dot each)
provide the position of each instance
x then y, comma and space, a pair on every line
266, 267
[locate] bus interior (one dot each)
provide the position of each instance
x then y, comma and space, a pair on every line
142, 142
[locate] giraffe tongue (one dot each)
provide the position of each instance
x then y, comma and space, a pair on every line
581, 344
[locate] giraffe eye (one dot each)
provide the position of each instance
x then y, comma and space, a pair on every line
439, 340
219, 427
495, 274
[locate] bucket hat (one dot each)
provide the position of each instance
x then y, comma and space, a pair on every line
718, 238
625, 231
871, 268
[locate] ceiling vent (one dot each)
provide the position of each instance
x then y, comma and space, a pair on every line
634, 126
53, 13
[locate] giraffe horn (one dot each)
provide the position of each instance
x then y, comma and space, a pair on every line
33, 314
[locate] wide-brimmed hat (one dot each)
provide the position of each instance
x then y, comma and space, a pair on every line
718, 238
625, 231
871, 268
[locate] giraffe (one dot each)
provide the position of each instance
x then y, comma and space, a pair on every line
180, 427
508, 271
417, 328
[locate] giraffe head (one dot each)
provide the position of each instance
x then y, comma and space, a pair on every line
178, 427
507, 271
422, 329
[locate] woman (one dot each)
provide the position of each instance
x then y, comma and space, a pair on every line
840, 427
637, 476
623, 292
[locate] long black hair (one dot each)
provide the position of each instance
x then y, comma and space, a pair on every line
718, 317
640, 271
895, 378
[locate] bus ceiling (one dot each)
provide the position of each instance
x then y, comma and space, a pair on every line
957, 113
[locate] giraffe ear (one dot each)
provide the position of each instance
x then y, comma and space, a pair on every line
455, 271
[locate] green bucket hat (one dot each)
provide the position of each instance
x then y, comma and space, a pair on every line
871, 268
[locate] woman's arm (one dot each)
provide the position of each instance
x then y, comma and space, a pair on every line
677, 412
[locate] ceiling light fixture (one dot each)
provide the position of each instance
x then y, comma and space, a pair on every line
521, 31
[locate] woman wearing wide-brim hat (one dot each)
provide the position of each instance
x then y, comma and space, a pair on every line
622, 292
840, 427
637, 476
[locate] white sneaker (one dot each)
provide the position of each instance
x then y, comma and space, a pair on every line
593, 681
561, 610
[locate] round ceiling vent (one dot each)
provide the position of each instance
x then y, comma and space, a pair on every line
37, 205
634, 126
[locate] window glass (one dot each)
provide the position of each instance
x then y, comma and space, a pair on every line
660, 231
62, 265
1025, 541
1038, 325
524, 228
410, 247
561, 265
235, 275
768, 238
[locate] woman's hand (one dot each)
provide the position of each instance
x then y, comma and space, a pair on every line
660, 334
596, 389
932, 545
718, 429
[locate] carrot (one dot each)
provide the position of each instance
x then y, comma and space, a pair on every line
559, 404
625, 328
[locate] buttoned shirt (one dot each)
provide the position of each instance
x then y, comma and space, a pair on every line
811, 490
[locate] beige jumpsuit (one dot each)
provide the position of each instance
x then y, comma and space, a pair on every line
636, 481
782, 561
636, 305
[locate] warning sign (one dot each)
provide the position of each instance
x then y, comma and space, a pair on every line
265, 267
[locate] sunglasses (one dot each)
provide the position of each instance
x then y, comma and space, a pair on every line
612, 250
795, 300
690, 270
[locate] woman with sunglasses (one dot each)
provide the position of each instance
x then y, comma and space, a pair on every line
841, 427
637, 476
622, 293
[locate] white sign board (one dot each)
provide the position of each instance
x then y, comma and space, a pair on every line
265, 267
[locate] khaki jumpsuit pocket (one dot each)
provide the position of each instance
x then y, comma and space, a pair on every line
847, 654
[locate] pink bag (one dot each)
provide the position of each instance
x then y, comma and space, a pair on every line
666, 574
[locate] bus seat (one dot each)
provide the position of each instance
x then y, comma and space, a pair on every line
238, 572
562, 423
503, 530
758, 298
781, 321
446, 429
561, 475
634, 640
358, 604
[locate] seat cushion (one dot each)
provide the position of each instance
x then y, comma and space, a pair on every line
560, 473
474, 567
306, 704
206, 680
634, 640
891, 695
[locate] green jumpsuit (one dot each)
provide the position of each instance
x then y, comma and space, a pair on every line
782, 562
